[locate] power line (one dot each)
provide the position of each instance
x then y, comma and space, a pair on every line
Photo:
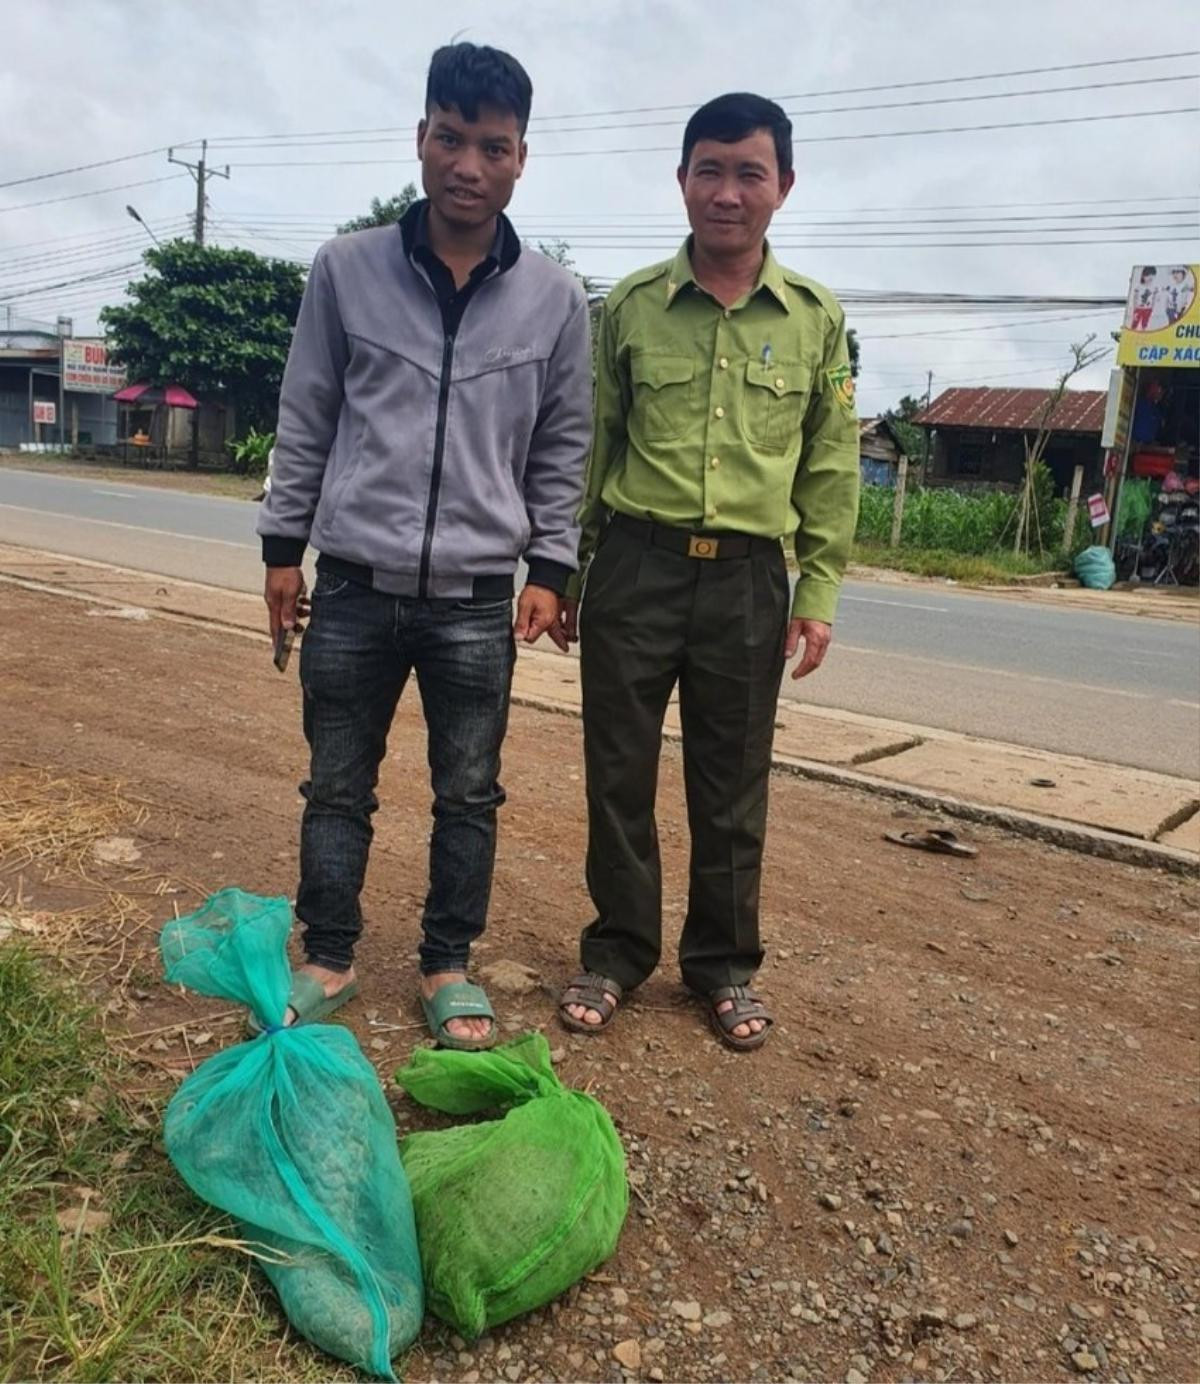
826, 110
40, 290
95, 192
808, 139
794, 96
81, 168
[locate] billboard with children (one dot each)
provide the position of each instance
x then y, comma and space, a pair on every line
1162, 317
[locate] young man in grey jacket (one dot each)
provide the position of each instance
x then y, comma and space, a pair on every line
433, 428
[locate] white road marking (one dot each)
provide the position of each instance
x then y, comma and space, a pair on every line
133, 528
1187, 706
997, 672
120, 494
904, 605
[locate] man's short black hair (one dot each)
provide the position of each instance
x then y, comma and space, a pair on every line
1149, 271
733, 117
470, 75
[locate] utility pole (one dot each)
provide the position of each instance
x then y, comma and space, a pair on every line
928, 401
201, 172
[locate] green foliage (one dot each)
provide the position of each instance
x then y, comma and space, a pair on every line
560, 252
217, 321
974, 525
248, 455
383, 213
156, 1286
855, 348
907, 434
992, 569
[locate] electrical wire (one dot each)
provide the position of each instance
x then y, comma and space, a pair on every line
95, 192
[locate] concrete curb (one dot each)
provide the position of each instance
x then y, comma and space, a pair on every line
1068, 835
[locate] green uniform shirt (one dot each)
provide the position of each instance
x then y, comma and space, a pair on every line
736, 418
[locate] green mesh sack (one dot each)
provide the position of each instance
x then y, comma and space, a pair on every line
1095, 568
290, 1134
510, 1212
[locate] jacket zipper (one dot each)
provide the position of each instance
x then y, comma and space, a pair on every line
435, 477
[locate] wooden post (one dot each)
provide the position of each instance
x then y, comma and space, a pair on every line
898, 504
1072, 509
74, 422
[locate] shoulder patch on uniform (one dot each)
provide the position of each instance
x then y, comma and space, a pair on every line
636, 280
841, 381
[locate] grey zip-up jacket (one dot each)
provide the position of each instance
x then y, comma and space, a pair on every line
429, 455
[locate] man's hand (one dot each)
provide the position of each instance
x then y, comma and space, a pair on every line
537, 614
816, 635
569, 621
285, 596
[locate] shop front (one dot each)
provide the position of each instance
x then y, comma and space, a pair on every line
1152, 431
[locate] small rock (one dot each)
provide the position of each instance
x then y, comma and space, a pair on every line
1011, 1239
689, 1311
830, 1201
715, 1320
965, 1322
116, 850
620, 1297
960, 1229
657, 1375
854, 1377
1151, 1331
82, 1220
629, 1354
1084, 1361
511, 977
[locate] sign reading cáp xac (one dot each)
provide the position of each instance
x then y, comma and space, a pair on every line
1162, 317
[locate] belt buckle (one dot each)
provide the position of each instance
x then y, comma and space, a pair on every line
702, 547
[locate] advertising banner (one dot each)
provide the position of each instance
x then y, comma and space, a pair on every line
1162, 317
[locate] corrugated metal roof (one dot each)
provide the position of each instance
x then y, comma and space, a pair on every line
1016, 410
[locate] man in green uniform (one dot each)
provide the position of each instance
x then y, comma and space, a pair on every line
724, 423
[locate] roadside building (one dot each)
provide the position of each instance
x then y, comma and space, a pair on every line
55, 388
978, 436
879, 451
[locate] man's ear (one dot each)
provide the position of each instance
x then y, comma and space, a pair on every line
787, 181
422, 130
522, 155
681, 176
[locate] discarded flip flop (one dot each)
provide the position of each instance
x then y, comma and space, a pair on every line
1043, 783
937, 840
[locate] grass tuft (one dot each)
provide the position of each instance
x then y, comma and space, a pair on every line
109, 1267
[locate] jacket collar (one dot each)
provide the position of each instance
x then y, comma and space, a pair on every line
414, 229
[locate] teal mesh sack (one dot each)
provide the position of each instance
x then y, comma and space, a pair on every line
510, 1212
291, 1135
1095, 568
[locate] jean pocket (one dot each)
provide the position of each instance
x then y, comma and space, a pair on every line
482, 607
327, 586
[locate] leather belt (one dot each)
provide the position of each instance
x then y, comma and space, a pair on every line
707, 545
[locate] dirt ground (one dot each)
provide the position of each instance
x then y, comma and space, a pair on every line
970, 1150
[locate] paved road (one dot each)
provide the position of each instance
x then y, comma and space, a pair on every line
1113, 687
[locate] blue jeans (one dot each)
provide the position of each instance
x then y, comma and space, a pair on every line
360, 647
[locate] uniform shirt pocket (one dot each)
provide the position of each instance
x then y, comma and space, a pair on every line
774, 403
663, 394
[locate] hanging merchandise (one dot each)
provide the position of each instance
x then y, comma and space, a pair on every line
511, 1212
291, 1135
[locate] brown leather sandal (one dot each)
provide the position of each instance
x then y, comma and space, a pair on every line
746, 1005
593, 992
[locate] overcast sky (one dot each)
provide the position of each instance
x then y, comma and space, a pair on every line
82, 82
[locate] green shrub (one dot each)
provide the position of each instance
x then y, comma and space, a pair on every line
248, 455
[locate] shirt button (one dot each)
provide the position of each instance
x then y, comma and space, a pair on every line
779, 383
728, 314
716, 461
712, 511
720, 411
723, 363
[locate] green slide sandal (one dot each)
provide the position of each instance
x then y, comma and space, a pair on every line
460, 1000
307, 999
